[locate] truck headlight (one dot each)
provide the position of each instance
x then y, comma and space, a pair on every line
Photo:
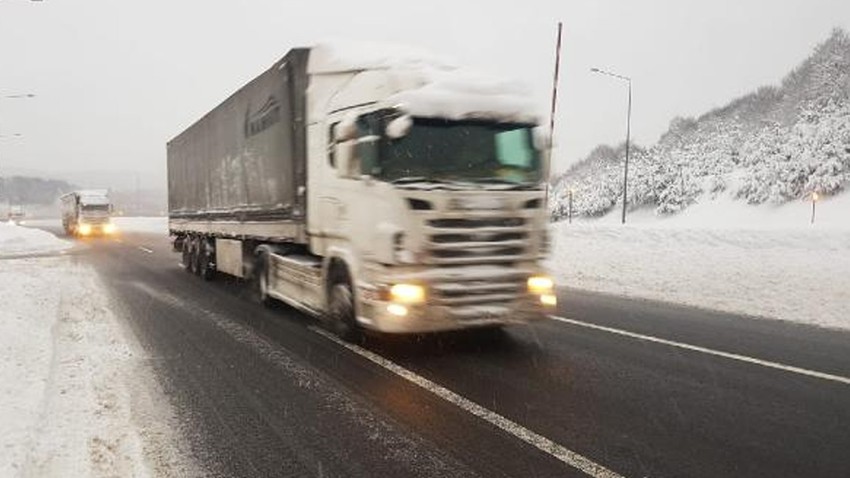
540, 285
109, 228
84, 229
543, 286
407, 293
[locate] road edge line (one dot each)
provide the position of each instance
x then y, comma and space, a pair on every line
559, 452
706, 350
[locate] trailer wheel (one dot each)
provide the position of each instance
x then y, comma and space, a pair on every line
341, 318
261, 279
206, 263
187, 254
195, 256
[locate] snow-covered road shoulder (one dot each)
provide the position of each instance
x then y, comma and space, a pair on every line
70, 378
22, 241
757, 267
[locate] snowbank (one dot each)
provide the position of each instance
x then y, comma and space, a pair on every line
69, 380
800, 274
18, 241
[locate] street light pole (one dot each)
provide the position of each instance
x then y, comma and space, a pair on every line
628, 135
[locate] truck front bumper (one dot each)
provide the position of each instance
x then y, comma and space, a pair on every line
385, 317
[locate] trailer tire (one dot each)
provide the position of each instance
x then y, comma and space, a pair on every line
195, 258
341, 319
206, 263
261, 279
187, 254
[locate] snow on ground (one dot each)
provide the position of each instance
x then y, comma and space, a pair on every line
142, 224
21, 241
762, 261
73, 385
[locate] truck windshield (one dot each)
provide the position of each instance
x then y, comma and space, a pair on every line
479, 151
96, 207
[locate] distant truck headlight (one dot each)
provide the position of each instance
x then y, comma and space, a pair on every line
84, 229
407, 293
109, 228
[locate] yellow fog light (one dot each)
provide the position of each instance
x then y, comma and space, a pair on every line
109, 228
84, 229
540, 284
548, 299
407, 293
397, 310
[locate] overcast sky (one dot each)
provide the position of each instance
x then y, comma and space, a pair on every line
115, 80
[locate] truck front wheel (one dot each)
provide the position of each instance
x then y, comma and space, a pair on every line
341, 315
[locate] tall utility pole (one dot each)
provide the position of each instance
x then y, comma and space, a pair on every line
628, 134
552, 114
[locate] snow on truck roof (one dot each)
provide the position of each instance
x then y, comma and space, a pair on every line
432, 86
93, 196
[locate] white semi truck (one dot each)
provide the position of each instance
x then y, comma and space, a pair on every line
87, 212
372, 188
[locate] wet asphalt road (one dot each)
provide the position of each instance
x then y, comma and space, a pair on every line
259, 392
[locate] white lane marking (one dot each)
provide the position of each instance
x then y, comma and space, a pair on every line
145, 249
718, 353
542, 443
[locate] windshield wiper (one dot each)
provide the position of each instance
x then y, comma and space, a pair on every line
418, 179
516, 185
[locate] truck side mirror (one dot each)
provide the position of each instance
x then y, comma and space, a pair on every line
346, 130
344, 158
541, 138
399, 127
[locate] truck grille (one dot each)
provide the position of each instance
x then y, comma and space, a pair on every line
479, 257
466, 286
470, 241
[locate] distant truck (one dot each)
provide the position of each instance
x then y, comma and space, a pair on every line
16, 214
374, 189
87, 213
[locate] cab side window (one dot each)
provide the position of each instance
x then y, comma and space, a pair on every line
368, 141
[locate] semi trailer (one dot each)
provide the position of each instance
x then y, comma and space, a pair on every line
378, 189
87, 212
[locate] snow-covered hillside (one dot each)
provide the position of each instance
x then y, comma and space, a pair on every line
776, 145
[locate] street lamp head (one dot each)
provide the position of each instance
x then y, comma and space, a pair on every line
815, 196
